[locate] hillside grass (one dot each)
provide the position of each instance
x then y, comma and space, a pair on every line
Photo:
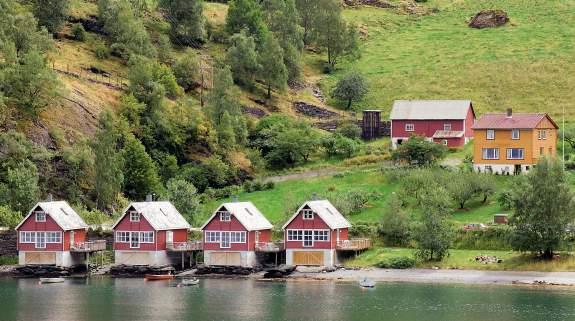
279, 203
527, 64
465, 259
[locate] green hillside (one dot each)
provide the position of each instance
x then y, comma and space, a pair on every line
527, 64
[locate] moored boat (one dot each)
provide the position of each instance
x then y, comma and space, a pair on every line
189, 282
158, 277
51, 280
367, 283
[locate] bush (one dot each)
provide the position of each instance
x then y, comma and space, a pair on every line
78, 32
363, 160
8, 260
269, 185
221, 193
258, 186
248, 186
101, 50
8, 217
364, 229
493, 238
398, 262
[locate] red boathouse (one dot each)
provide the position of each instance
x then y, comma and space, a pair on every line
446, 122
54, 234
315, 233
146, 231
234, 233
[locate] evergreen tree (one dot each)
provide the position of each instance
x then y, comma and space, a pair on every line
246, 14
272, 71
140, 174
108, 162
186, 20
226, 135
243, 59
307, 10
51, 13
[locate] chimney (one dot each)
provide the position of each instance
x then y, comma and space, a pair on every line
509, 112
314, 196
149, 198
50, 198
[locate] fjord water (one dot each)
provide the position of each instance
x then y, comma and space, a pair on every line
135, 299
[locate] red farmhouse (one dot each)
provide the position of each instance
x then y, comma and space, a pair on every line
144, 232
446, 122
313, 234
232, 233
52, 233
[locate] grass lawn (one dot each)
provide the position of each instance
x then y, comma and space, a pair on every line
527, 64
277, 204
465, 259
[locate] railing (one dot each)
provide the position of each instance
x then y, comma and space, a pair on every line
353, 244
270, 246
184, 246
90, 246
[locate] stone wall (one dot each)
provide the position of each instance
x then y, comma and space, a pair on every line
8, 243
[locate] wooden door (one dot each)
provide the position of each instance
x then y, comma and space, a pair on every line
40, 258
71, 239
308, 258
225, 259
169, 236
135, 258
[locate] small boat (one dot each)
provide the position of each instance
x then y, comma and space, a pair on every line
51, 280
367, 283
189, 282
158, 277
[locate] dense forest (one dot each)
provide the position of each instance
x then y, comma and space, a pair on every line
172, 133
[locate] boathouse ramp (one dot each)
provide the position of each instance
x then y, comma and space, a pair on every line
142, 258
231, 258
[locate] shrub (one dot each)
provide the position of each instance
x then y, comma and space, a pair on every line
363, 160
78, 32
8, 260
101, 50
248, 186
258, 186
269, 185
364, 229
398, 262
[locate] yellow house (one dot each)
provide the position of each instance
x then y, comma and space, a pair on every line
508, 143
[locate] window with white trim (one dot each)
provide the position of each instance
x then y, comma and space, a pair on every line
122, 237
146, 237
444, 142
308, 238
409, 127
225, 216
321, 235
134, 216
53, 237
490, 133
542, 134
40, 216
515, 153
447, 127
295, 235
307, 214
212, 237
515, 134
27, 237
237, 237
490, 153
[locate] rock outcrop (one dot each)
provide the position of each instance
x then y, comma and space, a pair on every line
489, 19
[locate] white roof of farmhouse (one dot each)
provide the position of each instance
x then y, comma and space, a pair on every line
161, 215
326, 211
61, 213
247, 213
430, 109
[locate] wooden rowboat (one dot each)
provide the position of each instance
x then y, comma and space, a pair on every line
51, 280
189, 282
158, 277
367, 283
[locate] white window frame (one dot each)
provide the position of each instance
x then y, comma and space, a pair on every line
53, 237
307, 214
490, 134
510, 153
308, 235
308, 240
447, 127
321, 235
515, 134
444, 142
212, 237
134, 216
132, 234
542, 134
225, 240
225, 216
409, 127
40, 216
484, 153
27, 237
122, 237
40, 240
147, 237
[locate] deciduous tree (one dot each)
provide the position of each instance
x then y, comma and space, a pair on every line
352, 86
186, 20
243, 59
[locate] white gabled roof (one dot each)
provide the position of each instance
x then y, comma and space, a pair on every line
161, 215
430, 109
61, 213
326, 211
247, 213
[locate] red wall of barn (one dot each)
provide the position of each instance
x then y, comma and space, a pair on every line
451, 142
424, 128
143, 225
316, 224
179, 236
469, 121
31, 225
233, 225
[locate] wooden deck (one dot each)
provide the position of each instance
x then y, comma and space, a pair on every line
184, 246
90, 246
270, 247
353, 245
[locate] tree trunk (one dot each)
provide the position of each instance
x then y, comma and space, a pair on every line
461, 205
349, 103
484, 199
269, 91
548, 254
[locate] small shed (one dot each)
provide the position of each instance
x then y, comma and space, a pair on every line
500, 219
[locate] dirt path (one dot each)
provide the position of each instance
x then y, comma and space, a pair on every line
446, 276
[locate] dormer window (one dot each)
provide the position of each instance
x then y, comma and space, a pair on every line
307, 214
134, 216
225, 216
40, 216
